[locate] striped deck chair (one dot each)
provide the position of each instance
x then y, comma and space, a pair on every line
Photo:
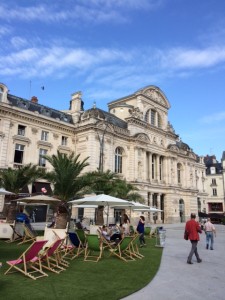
25, 262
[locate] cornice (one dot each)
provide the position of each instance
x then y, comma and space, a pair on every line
35, 119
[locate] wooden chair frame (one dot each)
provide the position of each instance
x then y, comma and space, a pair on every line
29, 259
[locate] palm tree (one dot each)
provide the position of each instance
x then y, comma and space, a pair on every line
67, 181
124, 190
14, 180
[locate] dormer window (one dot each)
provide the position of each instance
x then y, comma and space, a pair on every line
212, 170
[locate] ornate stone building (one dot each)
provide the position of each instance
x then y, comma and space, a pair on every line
134, 138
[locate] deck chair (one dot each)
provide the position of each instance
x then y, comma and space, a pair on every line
135, 247
27, 260
93, 249
82, 241
73, 246
106, 244
123, 249
18, 231
29, 234
147, 232
51, 258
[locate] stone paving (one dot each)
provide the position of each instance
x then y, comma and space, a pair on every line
177, 280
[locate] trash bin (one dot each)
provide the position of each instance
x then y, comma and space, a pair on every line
161, 238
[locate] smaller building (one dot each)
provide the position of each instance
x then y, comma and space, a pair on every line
215, 179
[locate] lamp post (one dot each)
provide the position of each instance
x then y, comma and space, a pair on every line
101, 143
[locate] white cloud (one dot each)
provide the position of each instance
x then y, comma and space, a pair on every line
214, 118
179, 58
4, 30
18, 42
94, 11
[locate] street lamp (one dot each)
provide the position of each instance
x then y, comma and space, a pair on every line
102, 142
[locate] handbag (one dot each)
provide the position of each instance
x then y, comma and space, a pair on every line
186, 235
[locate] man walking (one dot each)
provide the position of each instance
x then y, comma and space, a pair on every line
193, 228
209, 231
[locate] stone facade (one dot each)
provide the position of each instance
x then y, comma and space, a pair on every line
134, 138
215, 179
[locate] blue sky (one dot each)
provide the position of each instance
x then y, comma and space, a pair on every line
108, 49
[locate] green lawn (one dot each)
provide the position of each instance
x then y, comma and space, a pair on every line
110, 278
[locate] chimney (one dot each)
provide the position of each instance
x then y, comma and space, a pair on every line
34, 99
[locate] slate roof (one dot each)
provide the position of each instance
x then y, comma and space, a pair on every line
106, 116
41, 109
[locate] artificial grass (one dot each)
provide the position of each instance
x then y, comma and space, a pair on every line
110, 278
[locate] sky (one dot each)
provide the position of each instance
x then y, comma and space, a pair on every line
108, 49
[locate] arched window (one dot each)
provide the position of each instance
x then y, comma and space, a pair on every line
118, 160
147, 116
153, 166
153, 118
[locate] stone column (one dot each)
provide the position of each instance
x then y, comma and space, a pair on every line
159, 219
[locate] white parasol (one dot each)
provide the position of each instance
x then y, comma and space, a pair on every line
101, 200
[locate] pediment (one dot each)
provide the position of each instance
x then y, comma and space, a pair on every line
154, 93
173, 148
142, 137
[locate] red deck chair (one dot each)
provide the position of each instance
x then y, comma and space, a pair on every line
26, 261
51, 258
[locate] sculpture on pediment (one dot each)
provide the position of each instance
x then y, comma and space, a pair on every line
136, 113
142, 137
154, 95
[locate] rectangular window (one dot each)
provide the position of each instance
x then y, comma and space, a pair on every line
64, 141
21, 130
19, 151
42, 160
44, 135
213, 181
214, 192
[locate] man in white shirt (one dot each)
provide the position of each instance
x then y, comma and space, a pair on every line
210, 231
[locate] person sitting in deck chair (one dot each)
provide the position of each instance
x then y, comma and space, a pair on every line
110, 235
